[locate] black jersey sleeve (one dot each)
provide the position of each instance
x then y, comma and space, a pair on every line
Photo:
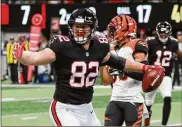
141, 46
106, 50
55, 45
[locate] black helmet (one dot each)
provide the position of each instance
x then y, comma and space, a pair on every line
163, 28
83, 16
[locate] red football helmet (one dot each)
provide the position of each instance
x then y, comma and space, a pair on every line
120, 27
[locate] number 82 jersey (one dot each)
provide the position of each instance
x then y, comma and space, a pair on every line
76, 68
162, 54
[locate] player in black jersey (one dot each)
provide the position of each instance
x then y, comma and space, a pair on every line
76, 61
161, 50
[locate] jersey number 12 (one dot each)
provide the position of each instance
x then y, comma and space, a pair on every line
165, 61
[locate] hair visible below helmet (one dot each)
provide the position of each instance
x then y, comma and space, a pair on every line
83, 16
120, 27
163, 28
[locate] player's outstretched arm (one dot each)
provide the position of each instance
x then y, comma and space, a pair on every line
123, 64
139, 57
33, 58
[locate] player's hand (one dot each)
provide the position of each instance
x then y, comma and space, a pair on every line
147, 68
18, 50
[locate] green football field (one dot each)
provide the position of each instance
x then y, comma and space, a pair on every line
29, 106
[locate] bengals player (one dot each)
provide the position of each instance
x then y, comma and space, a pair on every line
76, 60
126, 103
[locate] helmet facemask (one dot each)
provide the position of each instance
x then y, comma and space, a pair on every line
116, 36
163, 31
163, 37
111, 33
82, 25
81, 33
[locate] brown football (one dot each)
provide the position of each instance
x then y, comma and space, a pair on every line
152, 79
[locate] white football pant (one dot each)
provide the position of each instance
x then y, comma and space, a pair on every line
72, 115
165, 89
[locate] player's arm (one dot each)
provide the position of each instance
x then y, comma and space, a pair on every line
122, 64
140, 55
43, 57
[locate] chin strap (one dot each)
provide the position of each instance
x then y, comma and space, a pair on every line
163, 40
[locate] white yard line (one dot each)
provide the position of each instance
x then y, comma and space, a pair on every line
7, 99
15, 115
29, 118
24, 99
155, 121
28, 85
176, 124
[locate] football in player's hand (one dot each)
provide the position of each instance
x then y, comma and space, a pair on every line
152, 79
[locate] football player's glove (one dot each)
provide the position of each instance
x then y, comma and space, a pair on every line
18, 50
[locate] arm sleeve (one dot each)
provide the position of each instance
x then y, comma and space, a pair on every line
116, 62
55, 45
106, 49
137, 75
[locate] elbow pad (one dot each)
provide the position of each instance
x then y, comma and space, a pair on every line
116, 62
137, 75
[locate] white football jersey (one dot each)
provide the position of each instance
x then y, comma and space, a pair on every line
129, 89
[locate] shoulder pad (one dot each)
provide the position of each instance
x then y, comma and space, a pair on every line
58, 39
150, 38
100, 38
173, 39
63, 38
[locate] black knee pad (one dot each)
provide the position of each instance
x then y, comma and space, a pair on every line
167, 100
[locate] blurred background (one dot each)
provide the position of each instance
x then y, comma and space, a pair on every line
36, 21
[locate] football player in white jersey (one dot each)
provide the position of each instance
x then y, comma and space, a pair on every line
126, 103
